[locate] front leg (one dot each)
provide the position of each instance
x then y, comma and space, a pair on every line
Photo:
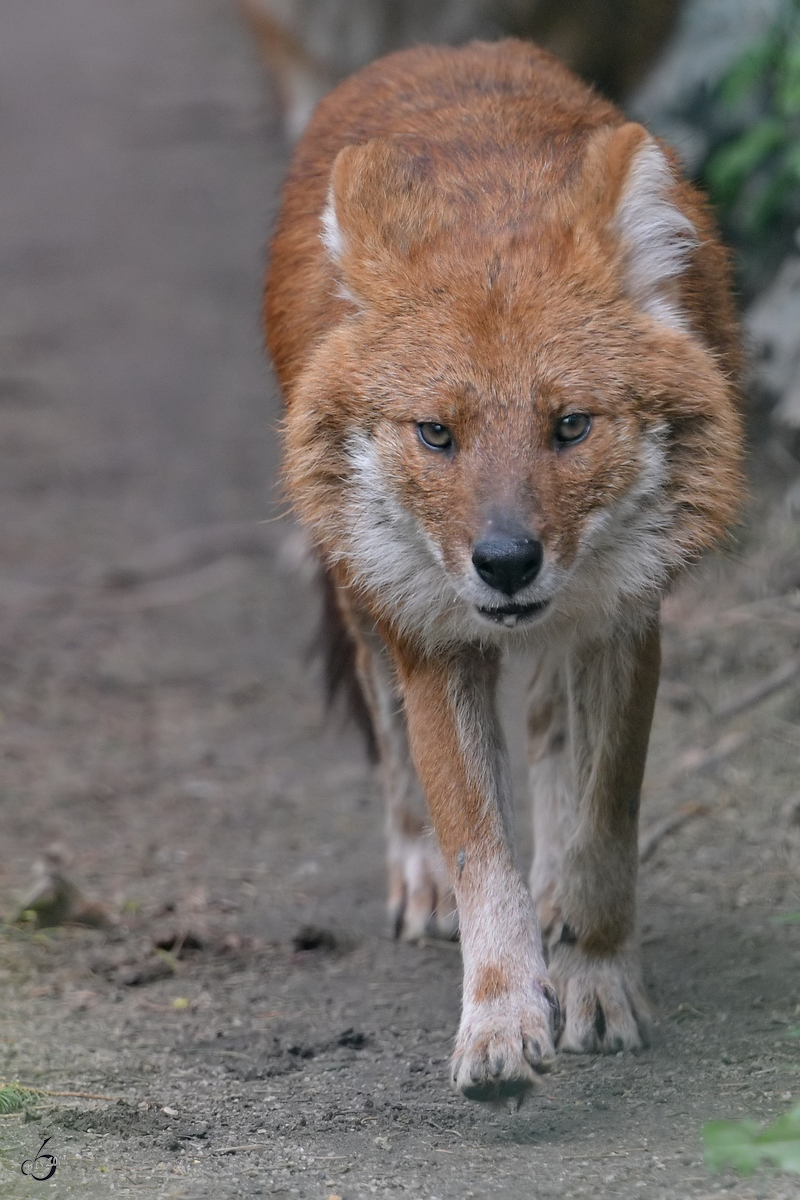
589, 726
421, 901
509, 1016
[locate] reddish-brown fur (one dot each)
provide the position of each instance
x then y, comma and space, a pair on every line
489, 226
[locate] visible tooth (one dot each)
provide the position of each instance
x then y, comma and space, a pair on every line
509, 621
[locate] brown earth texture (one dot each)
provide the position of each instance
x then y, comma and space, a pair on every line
237, 1022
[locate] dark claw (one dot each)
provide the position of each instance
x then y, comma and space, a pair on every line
599, 1021
400, 916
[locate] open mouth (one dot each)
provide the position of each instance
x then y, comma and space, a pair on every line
511, 615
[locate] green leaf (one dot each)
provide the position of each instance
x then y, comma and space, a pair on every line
731, 165
767, 205
792, 162
14, 1098
787, 92
731, 1144
749, 70
743, 1146
789, 918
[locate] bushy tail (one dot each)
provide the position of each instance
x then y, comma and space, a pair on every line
301, 81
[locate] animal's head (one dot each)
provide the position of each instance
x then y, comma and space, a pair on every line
520, 412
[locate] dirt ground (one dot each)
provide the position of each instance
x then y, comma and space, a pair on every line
247, 1022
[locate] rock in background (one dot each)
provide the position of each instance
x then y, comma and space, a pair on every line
681, 102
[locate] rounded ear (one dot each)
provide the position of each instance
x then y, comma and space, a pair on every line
381, 205
628, 175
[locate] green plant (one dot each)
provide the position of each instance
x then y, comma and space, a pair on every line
743, 1145
786, 919
753, 173
14, 1098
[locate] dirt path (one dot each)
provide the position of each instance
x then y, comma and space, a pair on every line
160, 724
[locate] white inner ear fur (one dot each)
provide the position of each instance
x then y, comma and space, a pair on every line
333, 240
657, 237
332, 235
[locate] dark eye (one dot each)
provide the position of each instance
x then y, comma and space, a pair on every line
572, 428
434, 435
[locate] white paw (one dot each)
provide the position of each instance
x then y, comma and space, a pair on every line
603, 1001
504, 1043
421, 900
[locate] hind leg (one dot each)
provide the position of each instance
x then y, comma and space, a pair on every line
588, 724
421, 901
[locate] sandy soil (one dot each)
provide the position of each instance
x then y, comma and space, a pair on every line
162, 726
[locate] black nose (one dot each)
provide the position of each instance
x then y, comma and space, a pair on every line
507, 563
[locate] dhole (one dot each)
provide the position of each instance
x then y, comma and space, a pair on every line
504, 334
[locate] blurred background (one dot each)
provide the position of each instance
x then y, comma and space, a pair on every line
168, 774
